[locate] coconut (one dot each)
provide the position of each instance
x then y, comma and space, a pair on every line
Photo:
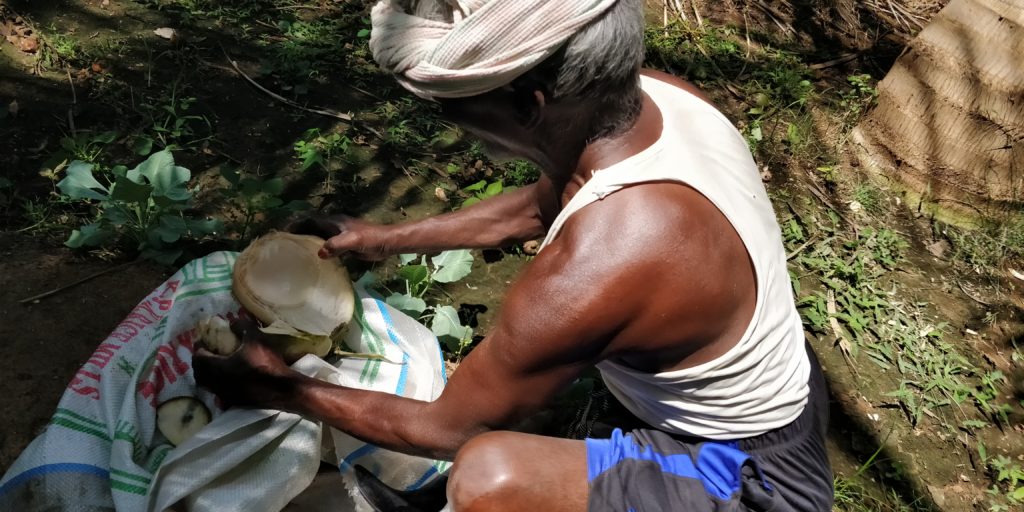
282, 281
180, 418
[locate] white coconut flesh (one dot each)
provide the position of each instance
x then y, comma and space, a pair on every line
181, 418
280, 279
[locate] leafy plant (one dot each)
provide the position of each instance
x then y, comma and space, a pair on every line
145, 205
419, 278
482, 190
172, 124
255, 196
315, 149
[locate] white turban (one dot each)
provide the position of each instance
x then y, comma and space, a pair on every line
485, 45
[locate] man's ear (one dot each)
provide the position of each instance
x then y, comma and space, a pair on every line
531, 106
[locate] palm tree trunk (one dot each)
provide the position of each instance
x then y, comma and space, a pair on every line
949, 125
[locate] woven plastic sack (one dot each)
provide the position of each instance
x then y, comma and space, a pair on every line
101, 450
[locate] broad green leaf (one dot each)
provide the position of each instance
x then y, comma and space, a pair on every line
298, 205
128, 191
143, 145
412, 306
493, 189
231, 174
105, 137
363, 33
415, 274
1018, 494
119, 170
452, 265
168, 180
80, 184
171, 228
89, 235
273, 186
476, 186
470, 202
447, 327
405, 259
116, 215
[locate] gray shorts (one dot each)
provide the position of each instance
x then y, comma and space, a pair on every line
783, 470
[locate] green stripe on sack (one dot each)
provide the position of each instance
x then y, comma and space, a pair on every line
127, 487
129, 476
204, 291
88, 421
78, 427
373, 343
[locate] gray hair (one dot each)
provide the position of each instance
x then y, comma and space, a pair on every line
600, 67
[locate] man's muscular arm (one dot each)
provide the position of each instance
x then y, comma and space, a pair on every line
512, 217
555, 323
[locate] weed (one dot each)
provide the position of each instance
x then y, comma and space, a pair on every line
146, 205
518, 173
419, 278
255, 196
171, 123
482, 190
869, 198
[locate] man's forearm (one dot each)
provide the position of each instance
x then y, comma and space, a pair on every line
388, 421
495, 222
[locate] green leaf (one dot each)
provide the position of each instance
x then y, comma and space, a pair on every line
493, 189
412, 306
452, 265
105, 137
363, 34
80, 184
476, 186
128, 191
415, 274
470, 202
143, 145
273, 186
298, 205
1018, 494
230, 174
447, 327
168, 180
171, 228
755, 134
89, 235
405, 259
119, 170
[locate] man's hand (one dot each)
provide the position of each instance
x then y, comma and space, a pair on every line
346, 235
253, 376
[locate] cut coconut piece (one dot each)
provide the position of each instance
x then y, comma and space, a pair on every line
215, 334
180, 418
281, 280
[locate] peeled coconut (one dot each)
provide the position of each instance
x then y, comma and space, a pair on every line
180, 418
280, 280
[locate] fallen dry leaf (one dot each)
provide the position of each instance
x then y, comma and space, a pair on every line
167, 33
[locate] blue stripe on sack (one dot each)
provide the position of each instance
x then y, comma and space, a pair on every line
352, 457
63, 467
440, 356
404, 375
717, 468
423, 479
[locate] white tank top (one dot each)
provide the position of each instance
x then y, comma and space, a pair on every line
760, 383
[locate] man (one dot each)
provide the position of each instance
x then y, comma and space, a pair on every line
663, 265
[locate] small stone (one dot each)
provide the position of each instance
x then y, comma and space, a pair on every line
855, 206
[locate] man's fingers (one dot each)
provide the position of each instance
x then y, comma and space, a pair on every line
335, 246
245, 328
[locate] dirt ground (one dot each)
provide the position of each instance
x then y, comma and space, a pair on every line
46, 341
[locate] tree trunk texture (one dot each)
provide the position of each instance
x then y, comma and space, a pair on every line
948, 128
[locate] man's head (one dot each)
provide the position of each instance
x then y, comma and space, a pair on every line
524, 72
